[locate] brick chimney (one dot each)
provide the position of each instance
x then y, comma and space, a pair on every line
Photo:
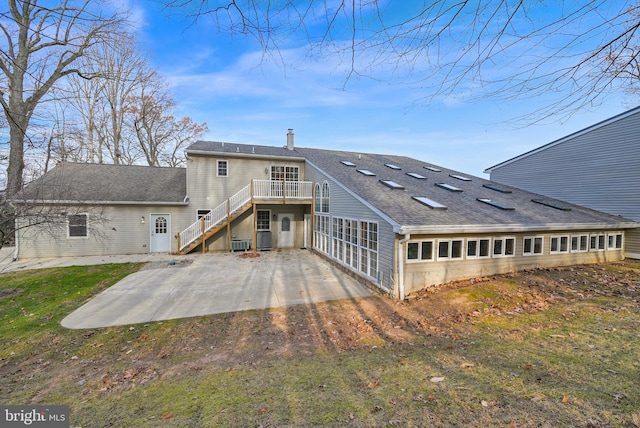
290, 139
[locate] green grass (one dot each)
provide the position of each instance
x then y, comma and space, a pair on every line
572, 361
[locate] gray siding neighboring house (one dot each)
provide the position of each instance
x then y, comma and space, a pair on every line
597, 167
400, 224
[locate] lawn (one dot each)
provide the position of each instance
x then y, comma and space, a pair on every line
552, 347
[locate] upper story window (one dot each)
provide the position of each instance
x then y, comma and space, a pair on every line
325, 197
321, 202
223, 168
78, 226
285, 173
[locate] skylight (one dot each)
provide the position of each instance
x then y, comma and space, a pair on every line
392, 184
392, 166
496, 204
347, 163
432, 168
429, 202
416, 175
366, 172
551, 204
459, 177
448, 187
496, 188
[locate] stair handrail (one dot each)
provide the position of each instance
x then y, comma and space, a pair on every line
214, 217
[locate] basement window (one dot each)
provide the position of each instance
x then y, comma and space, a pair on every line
448, 187
392, 184
559, 244
552, 204
496, 188
366, 172
429, 202
392, 166
614, 241
532, 245
579, 243
459, 177
416, 175
496, 204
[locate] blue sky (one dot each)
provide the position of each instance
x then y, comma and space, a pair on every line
226, 82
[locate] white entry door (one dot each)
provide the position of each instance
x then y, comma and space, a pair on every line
286, 230
160, 233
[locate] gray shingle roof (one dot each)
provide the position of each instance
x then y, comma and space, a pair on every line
464, 211
99, 183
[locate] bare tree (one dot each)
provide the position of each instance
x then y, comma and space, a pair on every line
41, 44
482, 48
159, 135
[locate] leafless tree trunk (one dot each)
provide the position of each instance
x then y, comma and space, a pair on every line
41, 45
159, 135
103, 102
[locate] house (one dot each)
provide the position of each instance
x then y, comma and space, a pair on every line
597, 167
398, 223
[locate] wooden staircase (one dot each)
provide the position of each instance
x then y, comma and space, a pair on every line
214, 221
257, 191
215, 229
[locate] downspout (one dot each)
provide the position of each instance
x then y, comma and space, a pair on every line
401, 265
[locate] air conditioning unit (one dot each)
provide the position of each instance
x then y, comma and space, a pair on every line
240, 244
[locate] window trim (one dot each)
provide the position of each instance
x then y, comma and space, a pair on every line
478, 248
258, 220
504, 247
420, 243
559, 244
579, 238
533, 252
450, 249
614, 235
597, 247
201, 213
218, 163
86, 226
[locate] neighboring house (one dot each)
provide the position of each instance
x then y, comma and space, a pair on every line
398, 223
597, 167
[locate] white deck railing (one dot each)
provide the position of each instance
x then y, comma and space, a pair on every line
262, 189
270, 189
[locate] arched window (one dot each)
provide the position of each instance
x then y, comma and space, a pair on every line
317, 198
161, 225
286, 224
325, 197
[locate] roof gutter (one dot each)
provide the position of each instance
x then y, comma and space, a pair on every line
475, 228
245, 155
59, 202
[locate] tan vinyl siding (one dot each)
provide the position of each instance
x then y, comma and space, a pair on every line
206, 190
422, 274
111, 230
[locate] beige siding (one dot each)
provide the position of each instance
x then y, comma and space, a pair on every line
242, 228
422, 274
111, 230
206, 191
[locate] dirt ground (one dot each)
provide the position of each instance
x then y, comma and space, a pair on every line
255, 338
